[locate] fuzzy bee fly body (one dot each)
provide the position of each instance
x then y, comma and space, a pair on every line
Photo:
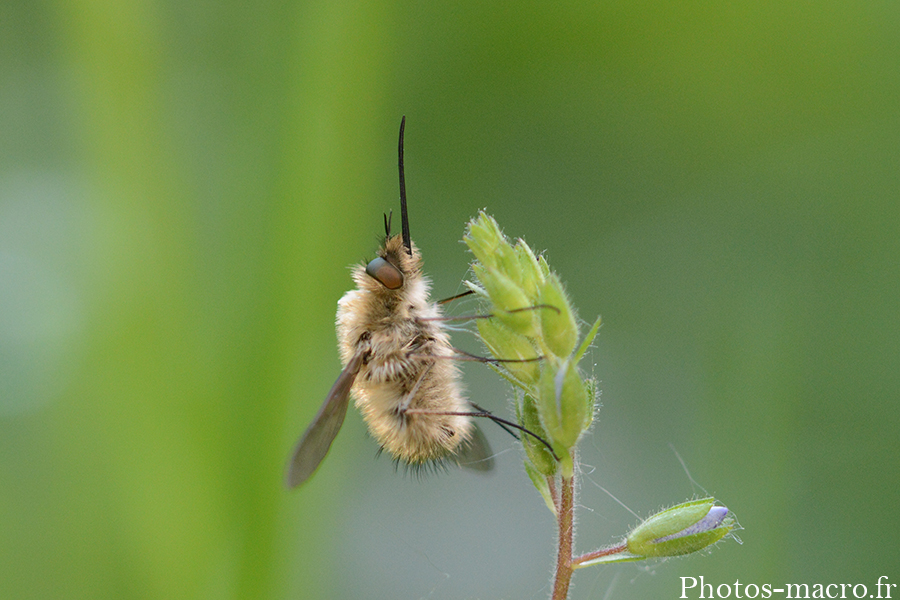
398, 367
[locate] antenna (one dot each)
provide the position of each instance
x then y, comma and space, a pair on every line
404, 217
387, 223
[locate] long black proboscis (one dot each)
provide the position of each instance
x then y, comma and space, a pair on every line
404, 217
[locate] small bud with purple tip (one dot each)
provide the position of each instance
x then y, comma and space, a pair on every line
682, 529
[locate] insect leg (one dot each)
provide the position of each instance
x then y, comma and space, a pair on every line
403, 407
466, 356
487, 316
488, 415
456, 297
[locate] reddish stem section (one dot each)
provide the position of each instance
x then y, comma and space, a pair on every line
566, 511
599, 554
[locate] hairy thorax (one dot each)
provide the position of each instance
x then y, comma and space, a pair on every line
407, 373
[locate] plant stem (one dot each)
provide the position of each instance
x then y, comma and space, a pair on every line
566, 520
599, 554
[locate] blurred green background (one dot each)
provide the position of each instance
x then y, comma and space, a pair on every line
182, 187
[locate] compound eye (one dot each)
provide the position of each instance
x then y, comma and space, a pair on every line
385, 273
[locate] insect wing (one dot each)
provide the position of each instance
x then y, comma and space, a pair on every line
476, 454
316, 441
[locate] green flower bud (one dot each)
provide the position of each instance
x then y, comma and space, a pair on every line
562, 402
559, 326
508, 299
532, 276
508, 262
538, 454
491, 248
545, 268
483, 237
489, 224
682, 529
504, 343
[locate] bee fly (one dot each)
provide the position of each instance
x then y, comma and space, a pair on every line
397, 366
